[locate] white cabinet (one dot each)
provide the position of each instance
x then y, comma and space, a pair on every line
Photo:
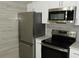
38, 48
38, 45
73, 3
42, 6
46, 6
74, 53
74, 50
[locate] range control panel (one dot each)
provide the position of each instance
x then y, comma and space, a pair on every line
64, 33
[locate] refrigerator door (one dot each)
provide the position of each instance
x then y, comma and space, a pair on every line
26, 51
26, 26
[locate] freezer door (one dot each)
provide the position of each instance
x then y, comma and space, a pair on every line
25, 51
26, 26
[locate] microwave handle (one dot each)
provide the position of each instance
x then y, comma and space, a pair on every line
66, 15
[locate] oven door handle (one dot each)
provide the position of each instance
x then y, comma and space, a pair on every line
54, 47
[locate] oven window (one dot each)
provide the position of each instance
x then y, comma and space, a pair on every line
57, 15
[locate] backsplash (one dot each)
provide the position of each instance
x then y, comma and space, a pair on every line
70, 27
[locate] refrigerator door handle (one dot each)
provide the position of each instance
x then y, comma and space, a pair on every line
27, 43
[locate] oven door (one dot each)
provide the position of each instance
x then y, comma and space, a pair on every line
49, 51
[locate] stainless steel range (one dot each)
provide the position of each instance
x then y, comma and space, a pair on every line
58, 45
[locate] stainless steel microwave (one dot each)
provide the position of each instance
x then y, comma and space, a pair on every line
62, 15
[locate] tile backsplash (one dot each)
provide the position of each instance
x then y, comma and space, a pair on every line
67, 27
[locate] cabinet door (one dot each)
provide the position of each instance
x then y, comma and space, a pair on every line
38, 49
48, 5
68, 3
74, 55
43, 7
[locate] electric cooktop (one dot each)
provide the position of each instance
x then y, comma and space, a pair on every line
60, 41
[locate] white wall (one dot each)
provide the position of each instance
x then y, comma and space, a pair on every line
42, 7
9, 28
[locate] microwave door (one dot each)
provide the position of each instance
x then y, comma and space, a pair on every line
57, 16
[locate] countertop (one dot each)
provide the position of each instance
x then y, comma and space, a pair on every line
43, 37
75, 46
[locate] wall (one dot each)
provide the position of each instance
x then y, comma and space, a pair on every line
43, 6
9, 28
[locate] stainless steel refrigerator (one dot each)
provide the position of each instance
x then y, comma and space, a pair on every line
30, 27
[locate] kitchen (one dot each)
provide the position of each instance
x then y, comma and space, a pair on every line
43, 6
35, 6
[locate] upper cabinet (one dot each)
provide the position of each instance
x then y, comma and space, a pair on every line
42, 6
45, 7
